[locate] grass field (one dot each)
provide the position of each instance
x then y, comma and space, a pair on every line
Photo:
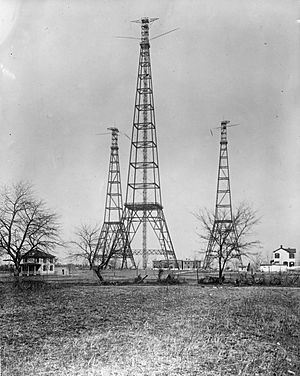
150, 330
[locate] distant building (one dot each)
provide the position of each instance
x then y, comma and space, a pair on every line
63, 269
171, 264
37, 262
190, 264
243, 268
283, 259
164, 264
273, 268
284, 256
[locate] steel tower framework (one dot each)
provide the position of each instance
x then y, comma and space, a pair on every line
113, 212
223, 218
143, 210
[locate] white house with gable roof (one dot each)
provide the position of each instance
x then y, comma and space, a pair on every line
283, 259
285, 256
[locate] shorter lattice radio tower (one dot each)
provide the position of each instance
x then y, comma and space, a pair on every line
223, 219
113, 213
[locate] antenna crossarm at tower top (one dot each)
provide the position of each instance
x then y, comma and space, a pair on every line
145, 23
145, 44
114, 138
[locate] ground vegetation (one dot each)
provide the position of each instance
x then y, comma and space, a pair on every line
150, 330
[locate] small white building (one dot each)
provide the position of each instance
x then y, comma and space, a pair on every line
37, 262
62, 269
283, 259
285, 256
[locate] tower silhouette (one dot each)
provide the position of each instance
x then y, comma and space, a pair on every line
143, 217
113, 212
223, 219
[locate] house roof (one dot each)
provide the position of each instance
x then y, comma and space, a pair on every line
38, 254
289, 250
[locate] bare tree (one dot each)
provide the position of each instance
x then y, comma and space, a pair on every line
257, 259
228, 247
25, 223
86, 243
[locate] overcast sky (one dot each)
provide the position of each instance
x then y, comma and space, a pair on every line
64, 78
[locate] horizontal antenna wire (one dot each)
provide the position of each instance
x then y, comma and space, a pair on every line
161, 35
157, 36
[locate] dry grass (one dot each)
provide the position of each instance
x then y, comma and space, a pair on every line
150, 330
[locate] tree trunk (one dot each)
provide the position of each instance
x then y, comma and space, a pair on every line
17, 271
17, 275
99, 274
220, 271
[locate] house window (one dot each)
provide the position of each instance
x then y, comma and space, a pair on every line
37, 260
44, 261
25, 260
285, 263
277, 255
51, 268
51, 261
44, 268
276, 262
292, 264
292, 255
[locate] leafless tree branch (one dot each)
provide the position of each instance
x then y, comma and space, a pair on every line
226, 246
86, 238
25, 223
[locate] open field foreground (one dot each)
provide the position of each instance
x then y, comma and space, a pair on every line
150, 330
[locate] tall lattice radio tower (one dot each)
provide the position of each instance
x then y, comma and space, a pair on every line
112, 223
223, 218
143, 217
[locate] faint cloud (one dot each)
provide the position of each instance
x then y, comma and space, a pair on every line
7, 73
9, 11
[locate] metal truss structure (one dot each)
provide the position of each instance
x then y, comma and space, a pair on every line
113, 213
223, 218
143, 210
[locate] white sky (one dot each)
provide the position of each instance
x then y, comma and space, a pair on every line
64, 78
